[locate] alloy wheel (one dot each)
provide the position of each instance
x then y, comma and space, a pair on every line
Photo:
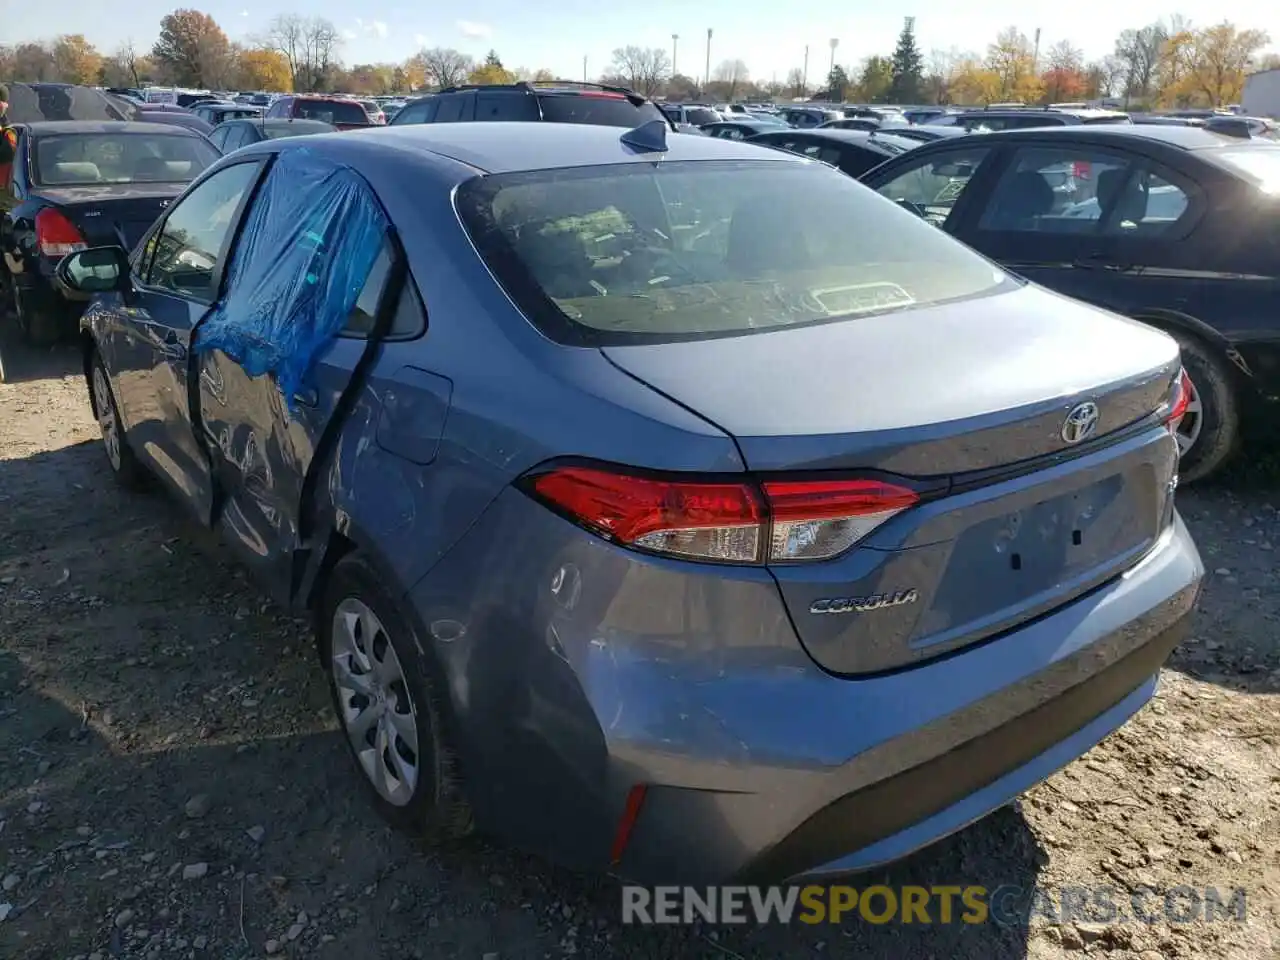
107, 421
374, 702
1192, 422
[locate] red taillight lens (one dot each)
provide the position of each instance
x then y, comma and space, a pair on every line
731, 522
1179, 400
1082, 169
813, 520
56, 236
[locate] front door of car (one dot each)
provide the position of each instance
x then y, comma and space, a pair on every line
1044, 216
148, 336
937, 184
265, 445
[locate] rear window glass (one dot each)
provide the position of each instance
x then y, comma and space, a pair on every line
330, 111
641, 253
77, 159
605, 110
701, 115
1108, 118
1260, 164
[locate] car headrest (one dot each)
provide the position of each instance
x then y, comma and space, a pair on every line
78, 171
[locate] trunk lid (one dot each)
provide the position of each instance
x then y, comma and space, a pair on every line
116, 214
974, 397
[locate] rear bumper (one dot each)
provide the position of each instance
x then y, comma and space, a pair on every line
758, 764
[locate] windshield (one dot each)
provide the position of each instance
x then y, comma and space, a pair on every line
644, 253
296, 128
609, 110
81, 159
700, 116
330, 111
1260, 164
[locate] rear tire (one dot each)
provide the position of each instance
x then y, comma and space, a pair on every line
390, 706
125, 465
1205, 446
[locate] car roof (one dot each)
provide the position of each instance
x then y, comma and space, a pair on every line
1184, 138
511, 147
860, 137
42, 127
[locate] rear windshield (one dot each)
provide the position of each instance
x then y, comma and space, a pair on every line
79, 159
1106, 118
295, 128
699, 116
609, 110
330, 111
1259, 164
652, 253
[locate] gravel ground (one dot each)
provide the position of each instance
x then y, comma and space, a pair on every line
172, 784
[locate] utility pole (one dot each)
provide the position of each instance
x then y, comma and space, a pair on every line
584, 68
675, 40
834, 42
707, 83
1035, 54
804, 77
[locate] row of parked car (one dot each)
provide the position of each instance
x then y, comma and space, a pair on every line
676, 506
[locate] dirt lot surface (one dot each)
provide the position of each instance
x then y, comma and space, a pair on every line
172, 784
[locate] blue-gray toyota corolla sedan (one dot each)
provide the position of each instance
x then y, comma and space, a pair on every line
672, 506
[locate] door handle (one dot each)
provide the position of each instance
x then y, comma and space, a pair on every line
306, 397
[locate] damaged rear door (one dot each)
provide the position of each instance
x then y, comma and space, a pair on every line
270, 431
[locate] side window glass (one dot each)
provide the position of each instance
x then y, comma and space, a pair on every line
1146, 204
933, 187
188, 245
219, 138
450, 109
829, 155
410, 318
417, 113
365, 312
505, 106
811, 150
1054, 190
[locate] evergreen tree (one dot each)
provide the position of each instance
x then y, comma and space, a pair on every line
908, 67
491, 60
837, 84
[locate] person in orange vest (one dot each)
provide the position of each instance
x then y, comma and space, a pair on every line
8, 140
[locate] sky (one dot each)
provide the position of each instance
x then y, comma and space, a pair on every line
770, 38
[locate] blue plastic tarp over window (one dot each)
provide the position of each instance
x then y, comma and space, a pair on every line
308, 243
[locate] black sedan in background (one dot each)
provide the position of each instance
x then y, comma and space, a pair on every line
738, 129
79, 184
234, 134
851, 151
1171, 225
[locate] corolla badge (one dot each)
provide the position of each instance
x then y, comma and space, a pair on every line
1081, 423
873, 601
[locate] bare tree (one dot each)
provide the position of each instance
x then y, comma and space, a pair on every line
309, 44
1140, 51
733, 74
643, 68
795, 82
445, 67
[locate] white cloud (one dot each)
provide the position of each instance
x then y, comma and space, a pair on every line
473, 30
420, 39
370, 28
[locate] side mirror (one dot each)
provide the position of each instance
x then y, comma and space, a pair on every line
96, 270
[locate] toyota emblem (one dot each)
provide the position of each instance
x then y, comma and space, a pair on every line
1081, 423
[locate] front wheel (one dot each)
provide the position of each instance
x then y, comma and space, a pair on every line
1208, 433
389, 705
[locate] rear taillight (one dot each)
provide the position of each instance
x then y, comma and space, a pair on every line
56, 236
1082, 169
724, 522
1179, 400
